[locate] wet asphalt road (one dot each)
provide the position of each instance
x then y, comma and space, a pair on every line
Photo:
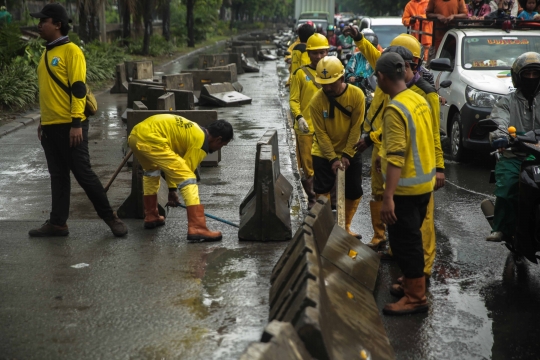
151, 295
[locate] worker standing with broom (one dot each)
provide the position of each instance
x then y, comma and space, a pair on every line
176, 146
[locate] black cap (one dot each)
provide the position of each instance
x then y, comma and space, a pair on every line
55, 11
405, 53
390, 63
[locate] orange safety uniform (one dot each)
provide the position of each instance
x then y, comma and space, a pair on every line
445, 8
418, 8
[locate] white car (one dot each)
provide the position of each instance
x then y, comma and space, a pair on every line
477, 61
386, 28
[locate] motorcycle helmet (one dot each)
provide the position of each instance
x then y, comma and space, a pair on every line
411, 43
405, 53
329, 70
317, 42
330, 28
371, 37
526, 61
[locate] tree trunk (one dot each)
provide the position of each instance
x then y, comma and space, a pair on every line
166, 24
147, 26
190, 22
126, 20
83, 23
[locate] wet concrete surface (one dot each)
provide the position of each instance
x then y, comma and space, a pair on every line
151, 295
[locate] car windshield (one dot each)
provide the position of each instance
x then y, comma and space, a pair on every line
497, 52
311, 16
386, 33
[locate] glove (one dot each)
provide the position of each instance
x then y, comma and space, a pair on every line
499, 143
173, 199
303, 125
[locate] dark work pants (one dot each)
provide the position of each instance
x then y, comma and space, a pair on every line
325, 177
405, 236
61, 159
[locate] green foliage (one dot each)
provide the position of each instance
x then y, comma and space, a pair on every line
33, 51
18, 84
11, 43
101, 60
74, 38
158, 46
112, 16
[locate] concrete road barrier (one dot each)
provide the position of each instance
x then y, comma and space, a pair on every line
248, 50
279, 341
178, 82
265, 211
206, 77
223, 94
120, 84
234, 75
133, 206
249, 64
148, 95
139, 70
207, 60
166, 102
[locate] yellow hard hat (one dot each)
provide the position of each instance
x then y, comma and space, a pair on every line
329, 70
409, 42
317, 42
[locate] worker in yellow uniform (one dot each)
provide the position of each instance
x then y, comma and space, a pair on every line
373, 127
408, 168
176, 146
299, 56
303, 88
288, 56
337, 112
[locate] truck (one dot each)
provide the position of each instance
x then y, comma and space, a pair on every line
305, 10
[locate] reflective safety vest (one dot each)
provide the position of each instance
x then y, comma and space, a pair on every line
415, 151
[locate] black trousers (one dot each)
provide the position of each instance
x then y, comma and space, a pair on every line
61, 159
325, 177
405, 236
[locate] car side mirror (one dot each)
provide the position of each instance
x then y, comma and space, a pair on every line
488, 124
445, 84
441, 64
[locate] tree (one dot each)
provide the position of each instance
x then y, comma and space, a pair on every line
190, 21
166, 19
148, 27
89, 19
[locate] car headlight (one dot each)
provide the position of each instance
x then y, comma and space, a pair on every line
480, 98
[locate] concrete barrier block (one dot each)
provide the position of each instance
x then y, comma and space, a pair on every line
203, 77
284, 258
249, 64
265, 211
166, 102
357, 324
139, 70
120, 83
178, 81
321, 220
249, 51
279, 341
352, 257
302, 264
138, 105
183, 99
137, 92
222, 94
235, 58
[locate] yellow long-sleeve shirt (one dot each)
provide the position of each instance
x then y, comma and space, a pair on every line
335, 137
299, 57
68, 64
302, 90
408, 143
422, 87
181, 135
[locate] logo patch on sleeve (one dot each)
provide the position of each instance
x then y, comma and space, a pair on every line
325, 114
55, 61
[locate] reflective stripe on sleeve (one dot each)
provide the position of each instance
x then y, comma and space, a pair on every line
187, 182
153, 173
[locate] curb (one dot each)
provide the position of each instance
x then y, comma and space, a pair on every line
19, 122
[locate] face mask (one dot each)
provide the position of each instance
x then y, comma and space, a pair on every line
529, 87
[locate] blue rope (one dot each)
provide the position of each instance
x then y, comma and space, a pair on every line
212, 217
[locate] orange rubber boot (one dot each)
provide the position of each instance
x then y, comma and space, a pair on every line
152, 218
197, 230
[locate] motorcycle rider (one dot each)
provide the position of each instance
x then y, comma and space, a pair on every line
373, 130
516, 109
333, 39
358, 67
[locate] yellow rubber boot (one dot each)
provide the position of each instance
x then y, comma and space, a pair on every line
379, 238
350, 210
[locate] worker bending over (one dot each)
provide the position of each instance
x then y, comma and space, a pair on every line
176, 146
337, 112
408, 168
303, 87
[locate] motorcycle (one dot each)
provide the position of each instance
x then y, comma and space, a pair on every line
526, 241
333, 51
346, 53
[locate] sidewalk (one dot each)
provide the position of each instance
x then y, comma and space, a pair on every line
150, 294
